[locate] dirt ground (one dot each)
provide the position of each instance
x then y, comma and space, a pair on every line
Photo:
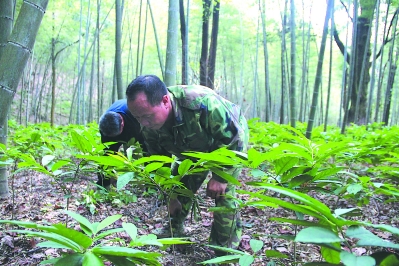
36, 198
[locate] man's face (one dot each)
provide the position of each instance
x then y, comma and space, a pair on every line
152, 117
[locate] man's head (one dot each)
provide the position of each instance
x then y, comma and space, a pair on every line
148, 101
111, 124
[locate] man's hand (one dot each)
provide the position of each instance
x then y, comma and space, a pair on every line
215, 189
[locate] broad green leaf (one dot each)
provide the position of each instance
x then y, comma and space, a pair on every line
307, 200
47, 159
76, 236
298, 222
246, 260
256, 157
331, 255
74, 259
256, 173
58, 164
153, 166
328, 172
354, 188
20, 223
91, 259
227, 250
124, 251
366, 238
52, 237
296, 149
153, 158
124, 179
229, 178
82, 220
184, 167
351, 260
222, 259
391, 260
119, 261
52, 261
107, 160
131, 229
350, 211
106, 222
284, 164
256, 245
385, 227
107, 233
275, 254
317, 235
146, 240
51, 244
174, 241
80, 142
299, 180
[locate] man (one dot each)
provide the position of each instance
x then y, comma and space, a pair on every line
118, 125
192, 118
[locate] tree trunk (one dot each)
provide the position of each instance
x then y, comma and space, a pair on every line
330, 7
206, 5
283, 67
262, 9
118, 49
13, 61
161, 66
293, 66
213, 46
172, 42
184, 38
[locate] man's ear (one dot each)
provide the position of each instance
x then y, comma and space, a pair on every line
165, 99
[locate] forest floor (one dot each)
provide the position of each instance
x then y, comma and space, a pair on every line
38, 199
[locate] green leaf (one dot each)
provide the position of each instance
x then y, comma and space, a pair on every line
47, 159
256, 157
124, 251
298, 222
275, 254
354, 188
153, 166
256, 245
119, 261
52, 237
80, 142
317, 235
108, 160
58, 164
184, 167
222, 259
246, 260
350, 211
124, 179
91, 259
174, 241
229, 178
106, 222
331, 255
107, 233
311, 202
74, 259
284, 164
51, 244
76, 236
153, 158
131, 229
366, 238
82, 220
351, 260
20, 223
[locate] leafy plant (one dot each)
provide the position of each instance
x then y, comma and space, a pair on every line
90, 247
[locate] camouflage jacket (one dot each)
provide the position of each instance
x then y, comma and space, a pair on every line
205, 121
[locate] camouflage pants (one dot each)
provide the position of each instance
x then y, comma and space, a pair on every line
226, 227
